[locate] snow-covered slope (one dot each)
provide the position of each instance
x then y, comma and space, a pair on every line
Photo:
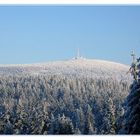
73, 89
74, 67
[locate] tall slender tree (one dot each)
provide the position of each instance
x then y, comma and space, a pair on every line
131, 117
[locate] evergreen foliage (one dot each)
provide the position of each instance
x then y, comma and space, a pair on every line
56, 104
131, 117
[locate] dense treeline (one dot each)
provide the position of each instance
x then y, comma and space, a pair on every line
60, 104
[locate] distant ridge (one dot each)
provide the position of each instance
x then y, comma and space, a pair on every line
74, 67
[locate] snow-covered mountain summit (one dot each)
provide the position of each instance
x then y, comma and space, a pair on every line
74, 67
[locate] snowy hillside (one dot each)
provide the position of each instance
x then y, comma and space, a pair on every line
76, 67
78, 96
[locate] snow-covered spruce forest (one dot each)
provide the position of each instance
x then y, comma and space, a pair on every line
68, 97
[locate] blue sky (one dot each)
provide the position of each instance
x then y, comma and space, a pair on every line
30, 34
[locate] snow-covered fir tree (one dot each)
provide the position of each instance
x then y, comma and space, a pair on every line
89, 122
62, 125
131, 117
109, 117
